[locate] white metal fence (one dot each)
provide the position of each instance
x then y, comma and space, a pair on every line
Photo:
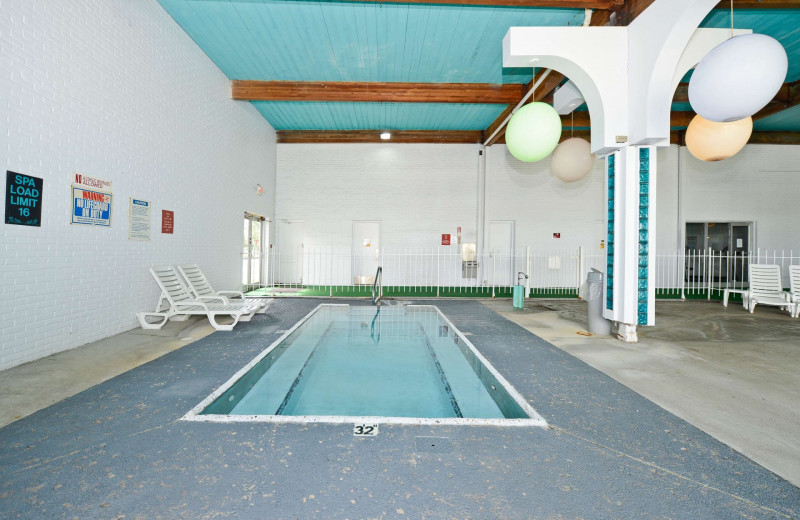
444, 271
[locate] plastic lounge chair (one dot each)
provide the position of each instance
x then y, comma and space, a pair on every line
794, 291
182, 304
201, 288
766, 287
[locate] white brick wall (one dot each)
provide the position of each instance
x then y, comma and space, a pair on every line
421, 191
417, 192
760, 184
541, 204
114, 89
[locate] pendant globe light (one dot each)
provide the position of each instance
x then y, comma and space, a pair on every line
572, 159
533, 132
712, 141
738, 77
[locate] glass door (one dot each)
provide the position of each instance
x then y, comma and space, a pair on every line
253, 251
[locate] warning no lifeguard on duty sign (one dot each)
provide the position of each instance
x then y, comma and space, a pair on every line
23, 199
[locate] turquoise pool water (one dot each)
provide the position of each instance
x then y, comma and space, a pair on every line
370, 361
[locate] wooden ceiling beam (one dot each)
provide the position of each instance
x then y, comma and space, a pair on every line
679, 137
578, 4
373, 136
366, 92
759, 4
476, 137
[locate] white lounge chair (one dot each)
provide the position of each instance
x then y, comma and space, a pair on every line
201, 288
794, 289
182, 304
766, 287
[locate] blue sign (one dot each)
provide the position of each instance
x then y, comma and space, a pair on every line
23, 199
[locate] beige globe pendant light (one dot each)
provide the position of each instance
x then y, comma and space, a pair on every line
572, 159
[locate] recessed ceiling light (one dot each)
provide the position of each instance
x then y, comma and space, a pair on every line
386, 135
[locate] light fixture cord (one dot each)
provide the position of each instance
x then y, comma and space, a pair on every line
572, 124
731, 18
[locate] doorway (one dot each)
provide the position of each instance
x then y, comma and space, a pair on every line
501, 253
729, 243
366, 250
289, 265
254, 262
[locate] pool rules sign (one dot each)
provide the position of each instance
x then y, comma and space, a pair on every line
23, 199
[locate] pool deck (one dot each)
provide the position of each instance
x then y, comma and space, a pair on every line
119, 449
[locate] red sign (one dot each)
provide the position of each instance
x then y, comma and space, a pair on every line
167, 221
556, 235
445, 239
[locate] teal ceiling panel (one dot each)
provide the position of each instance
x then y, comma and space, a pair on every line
339, 40
781, 24
292, 115
786, 121
358, 41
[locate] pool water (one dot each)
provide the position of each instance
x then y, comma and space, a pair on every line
370, 362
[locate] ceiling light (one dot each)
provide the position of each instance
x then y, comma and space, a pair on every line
572, 160
386, 135
533, 132
711, 141
738, 77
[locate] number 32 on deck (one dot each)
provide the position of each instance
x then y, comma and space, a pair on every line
365, 430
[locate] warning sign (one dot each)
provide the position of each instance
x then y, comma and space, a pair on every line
90, 207
445, 239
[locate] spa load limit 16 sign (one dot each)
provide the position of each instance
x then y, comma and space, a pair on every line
23, 199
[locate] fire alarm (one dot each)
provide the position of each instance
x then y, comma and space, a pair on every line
556, 235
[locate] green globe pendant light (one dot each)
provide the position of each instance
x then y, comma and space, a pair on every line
533, 132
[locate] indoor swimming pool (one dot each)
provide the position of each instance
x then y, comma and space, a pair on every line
397, 363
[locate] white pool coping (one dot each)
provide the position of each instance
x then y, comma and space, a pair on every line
195, 413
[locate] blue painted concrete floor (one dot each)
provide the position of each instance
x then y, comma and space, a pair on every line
119, 450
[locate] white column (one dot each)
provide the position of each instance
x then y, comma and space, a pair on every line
630, 202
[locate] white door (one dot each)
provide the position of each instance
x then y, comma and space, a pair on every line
500, 271
289, 265
366, 250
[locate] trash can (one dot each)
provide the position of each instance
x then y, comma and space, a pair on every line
519, 291
519, 296
597, 324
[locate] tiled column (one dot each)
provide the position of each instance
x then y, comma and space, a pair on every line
630, 202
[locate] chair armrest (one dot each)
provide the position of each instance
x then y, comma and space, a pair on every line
234, 294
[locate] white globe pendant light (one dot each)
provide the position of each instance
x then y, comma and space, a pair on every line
712, 141
738, 78
533, 131
572, 160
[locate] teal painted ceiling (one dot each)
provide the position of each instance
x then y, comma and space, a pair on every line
329, 40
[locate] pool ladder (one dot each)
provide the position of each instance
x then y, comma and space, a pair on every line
377, 287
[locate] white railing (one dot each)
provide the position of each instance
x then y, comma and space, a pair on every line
444, 271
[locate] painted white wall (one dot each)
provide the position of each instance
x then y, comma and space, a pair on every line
115, 90
417, 192
761, 184
421, 191
541, 204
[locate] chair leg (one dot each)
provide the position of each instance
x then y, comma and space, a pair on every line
218, 326
162, 317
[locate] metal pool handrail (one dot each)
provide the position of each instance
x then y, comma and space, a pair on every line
377, 287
